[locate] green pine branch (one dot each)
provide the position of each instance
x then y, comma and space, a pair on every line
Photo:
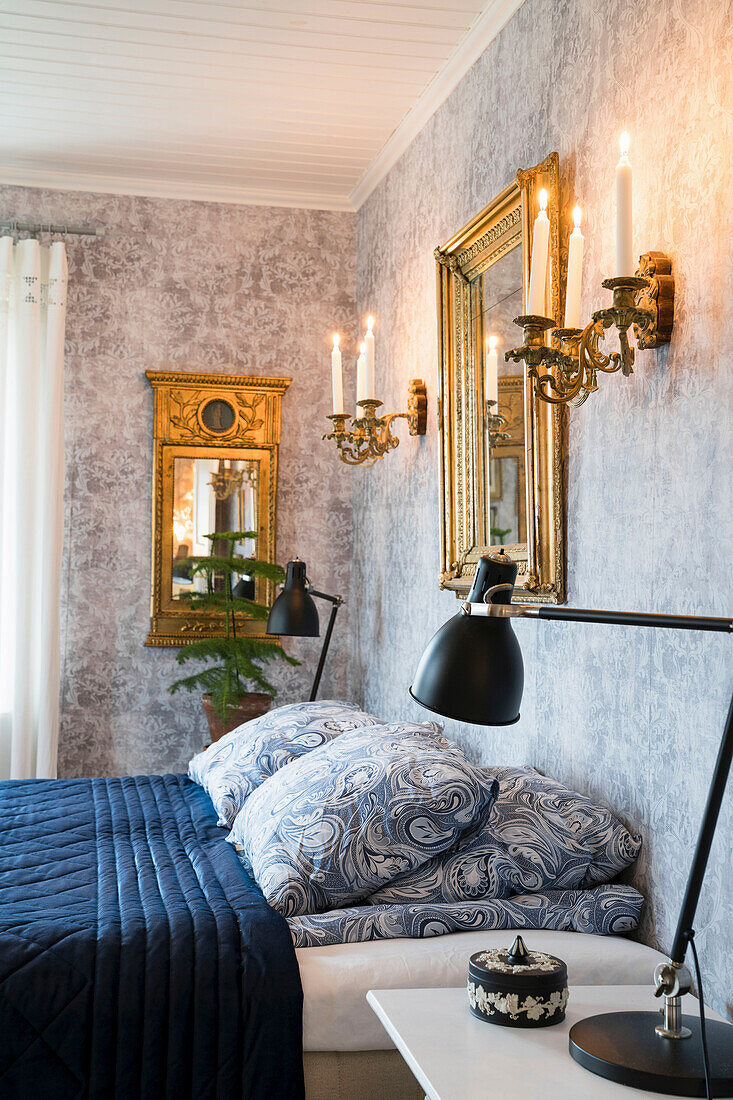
218, 601
232, 536
233, 566
240, 657
234, 660
241, 649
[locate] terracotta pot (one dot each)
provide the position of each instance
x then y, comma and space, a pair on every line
251, 705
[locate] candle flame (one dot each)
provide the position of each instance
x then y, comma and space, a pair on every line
336, 340
624, 143
492, 342
370, 322
577, 216
362, 348
543, 199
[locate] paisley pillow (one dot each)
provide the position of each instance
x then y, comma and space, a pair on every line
338, 823
236, 765
539, 835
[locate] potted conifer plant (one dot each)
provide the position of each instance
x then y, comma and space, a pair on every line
236, 659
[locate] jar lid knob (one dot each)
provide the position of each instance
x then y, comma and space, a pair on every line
518, 954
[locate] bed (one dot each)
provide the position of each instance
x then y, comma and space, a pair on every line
139, 959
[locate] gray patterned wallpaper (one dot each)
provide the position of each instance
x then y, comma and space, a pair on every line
632, 716
201, 287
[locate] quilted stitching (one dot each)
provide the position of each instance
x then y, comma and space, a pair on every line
132, 949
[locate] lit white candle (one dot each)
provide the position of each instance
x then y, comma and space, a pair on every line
492, 371
369, 376
337, 381
624, 225
361, 376
538, 269
575, 274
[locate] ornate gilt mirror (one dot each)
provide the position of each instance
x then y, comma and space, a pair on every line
215, 442
502, 469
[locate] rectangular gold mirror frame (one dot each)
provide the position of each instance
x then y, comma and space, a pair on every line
505, 223
178, 429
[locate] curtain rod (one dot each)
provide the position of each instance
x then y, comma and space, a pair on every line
44, 227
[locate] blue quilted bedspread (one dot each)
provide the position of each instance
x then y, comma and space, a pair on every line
137, 958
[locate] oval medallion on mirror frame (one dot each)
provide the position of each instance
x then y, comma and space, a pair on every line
215, 445
502, 477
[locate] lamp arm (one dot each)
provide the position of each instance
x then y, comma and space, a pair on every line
325, 596
635, 618
336, 601
587, 615
725, 753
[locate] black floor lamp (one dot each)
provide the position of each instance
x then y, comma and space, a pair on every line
295, 614
472, 670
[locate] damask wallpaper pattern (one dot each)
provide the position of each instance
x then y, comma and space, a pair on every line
195, 287
633, 717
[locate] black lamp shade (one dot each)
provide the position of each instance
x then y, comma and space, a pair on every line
244, 589
182, 573
472, 669
294, 612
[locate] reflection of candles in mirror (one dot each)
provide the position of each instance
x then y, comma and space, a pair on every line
369, 377
538, 269
361, 376
492, 372
337, 382
575, 273
624, 225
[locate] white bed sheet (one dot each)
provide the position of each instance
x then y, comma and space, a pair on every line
336, 979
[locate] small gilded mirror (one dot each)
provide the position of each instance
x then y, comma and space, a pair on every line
214, 469
502, 449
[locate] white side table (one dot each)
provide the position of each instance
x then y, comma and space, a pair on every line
454, 1056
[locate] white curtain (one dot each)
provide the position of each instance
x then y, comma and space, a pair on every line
32, 320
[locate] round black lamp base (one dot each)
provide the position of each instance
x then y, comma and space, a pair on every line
624, 1047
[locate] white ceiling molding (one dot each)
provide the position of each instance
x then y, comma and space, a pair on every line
165, 189
491, 21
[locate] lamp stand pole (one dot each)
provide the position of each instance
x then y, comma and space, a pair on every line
336, 602
704, 841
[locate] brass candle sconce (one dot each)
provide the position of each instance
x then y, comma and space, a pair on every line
496, 422
565, 371
370, 436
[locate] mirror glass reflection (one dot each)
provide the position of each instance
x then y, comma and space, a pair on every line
209, 495
497, 300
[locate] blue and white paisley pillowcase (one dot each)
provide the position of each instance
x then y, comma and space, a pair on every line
539, 835
603, 911
338, 823
232, 768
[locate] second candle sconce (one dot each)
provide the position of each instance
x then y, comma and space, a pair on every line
565, 371
369, 436
496, 422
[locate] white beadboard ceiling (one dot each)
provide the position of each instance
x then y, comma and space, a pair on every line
284, 102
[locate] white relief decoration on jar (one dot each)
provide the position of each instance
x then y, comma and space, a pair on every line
508, 1004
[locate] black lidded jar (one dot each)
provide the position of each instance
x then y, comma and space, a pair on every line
517, 988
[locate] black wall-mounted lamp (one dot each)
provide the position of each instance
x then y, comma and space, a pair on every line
294, 613
472, 671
